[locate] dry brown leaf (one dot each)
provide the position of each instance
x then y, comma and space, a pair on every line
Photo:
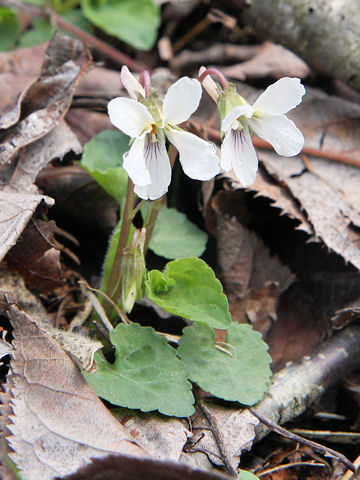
58, 423
19, 198
122, 468
35, 257
81, 348
270, 61
237, 429
162, 436
18, 69
329, 193
45, 102
281, 198
32, 159
252, 277
16, 209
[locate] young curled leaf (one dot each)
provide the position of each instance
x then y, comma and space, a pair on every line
188, 288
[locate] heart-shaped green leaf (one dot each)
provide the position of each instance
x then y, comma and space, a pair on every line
133, 21
240, 373
146, 373
175, 236
103, 157
188, 288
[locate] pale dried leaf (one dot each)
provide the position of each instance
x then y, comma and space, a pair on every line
163, 437
281, 198
46, 101
56, 144
270, 61
5, 347
253, 278
79, 347
58, 423
237, 428
16, 209
18, 69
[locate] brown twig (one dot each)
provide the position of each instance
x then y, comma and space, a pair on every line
86, 37
218, 437
259, 143
327, 452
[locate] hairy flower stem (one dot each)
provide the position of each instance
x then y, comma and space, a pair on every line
150, 224
145, 81
214, 71
113, 288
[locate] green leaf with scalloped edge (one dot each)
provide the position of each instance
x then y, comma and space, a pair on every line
102, 159
134, 22
188, 288
146, 373
9, 28
175, 236
241, 374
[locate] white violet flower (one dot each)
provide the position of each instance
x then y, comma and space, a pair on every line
265, 118
147, 162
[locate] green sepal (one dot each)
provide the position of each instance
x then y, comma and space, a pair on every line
228, 100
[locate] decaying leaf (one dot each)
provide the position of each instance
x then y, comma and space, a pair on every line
237, 427
163, 437
29, 144
125, 468
79, 347
46, 101
252, 277
36, 258
56, 415
16, 209
18, 69
271, 60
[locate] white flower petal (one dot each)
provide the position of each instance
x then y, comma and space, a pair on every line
235, 113
134, 162
227, 150
280, 132
238, 152
130, 83
181, 100
197, 157
281, 96
158, 165
209, 85
129, 116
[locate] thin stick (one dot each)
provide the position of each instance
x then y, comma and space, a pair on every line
327, 452
86, 37
218, 437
